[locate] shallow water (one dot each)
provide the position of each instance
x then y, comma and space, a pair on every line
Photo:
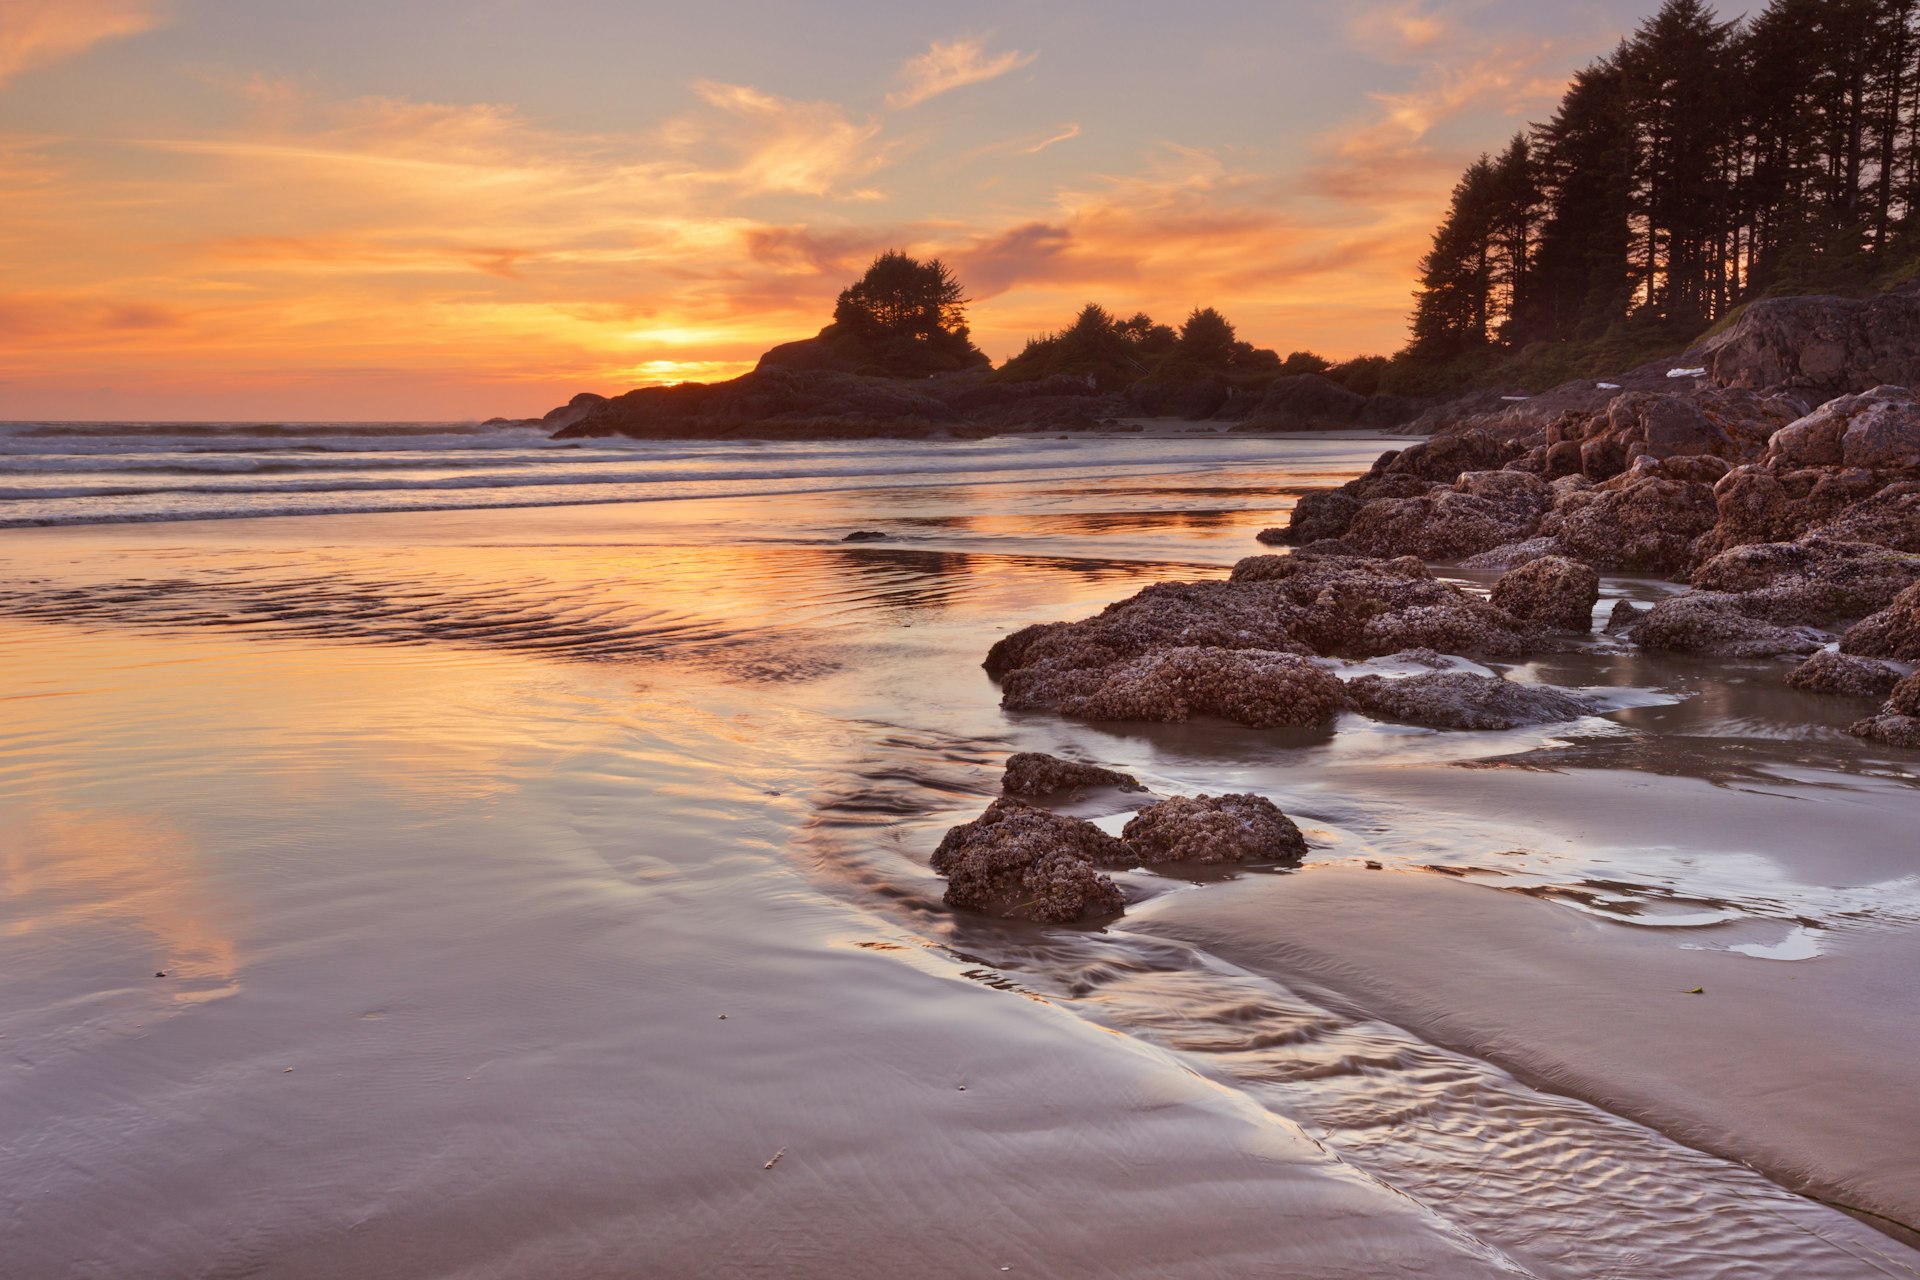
455, 833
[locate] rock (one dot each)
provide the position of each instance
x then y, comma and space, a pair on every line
1236, 649
1632, 524
1898, 724
1710, 622
1460, 700
1894, 731
1816, 579
1016, 860
1253, 687
1890, 518
1623, 616
1164, 616
1836, 673
1894, 632
1443, 458
1832, 346
1320, 515
865, 535
1512, 555
1365, 608
1660, 426
1878, 430
573, 410
1033, 773
1445, 525
1554, 592
1209, 830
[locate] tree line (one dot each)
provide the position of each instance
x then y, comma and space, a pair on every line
1701, 164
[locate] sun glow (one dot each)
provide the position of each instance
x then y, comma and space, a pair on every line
286, 250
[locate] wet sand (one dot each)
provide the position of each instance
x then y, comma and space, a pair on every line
479, 822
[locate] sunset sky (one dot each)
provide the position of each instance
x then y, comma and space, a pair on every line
460, 208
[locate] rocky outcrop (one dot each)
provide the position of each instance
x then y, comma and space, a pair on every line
1817, 579
581, 406
1349, 606
1211, 830
1898, 724
1016, 860
1713, 623
1642, 521
1033, 773
1876, 431
1894, 632
1260, 688
1843, 676
1829, 346
1552, 592
1236, 649
1461, 700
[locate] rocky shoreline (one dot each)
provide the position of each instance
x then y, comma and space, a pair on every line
1794, 526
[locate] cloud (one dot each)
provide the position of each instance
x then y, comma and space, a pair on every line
1067, 134
949, 65
1402, 29
777, 145
35, 33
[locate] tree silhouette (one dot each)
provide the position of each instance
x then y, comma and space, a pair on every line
904, 317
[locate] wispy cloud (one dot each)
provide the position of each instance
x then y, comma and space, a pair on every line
777, 145
949, 65
35, 33
1067, 134
1400, 29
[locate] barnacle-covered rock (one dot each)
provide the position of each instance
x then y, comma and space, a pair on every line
1214, 829
1016, 860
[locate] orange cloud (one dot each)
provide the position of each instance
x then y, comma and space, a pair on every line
948, 65
36, 33
381, 256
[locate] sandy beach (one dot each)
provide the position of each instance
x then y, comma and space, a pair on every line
544, 891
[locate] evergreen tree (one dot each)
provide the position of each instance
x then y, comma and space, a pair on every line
905, 317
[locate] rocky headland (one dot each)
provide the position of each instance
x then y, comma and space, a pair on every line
1781, 486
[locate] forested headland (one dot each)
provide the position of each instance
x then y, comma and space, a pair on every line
1701, 164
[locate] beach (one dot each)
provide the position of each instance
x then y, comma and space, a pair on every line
495, 859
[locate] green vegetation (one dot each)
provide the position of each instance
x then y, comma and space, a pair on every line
1699, 166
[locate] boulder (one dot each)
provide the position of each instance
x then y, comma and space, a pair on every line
1830, 346
1553, 592
1898, 724
1813, 580
1209, 830
1633, 523
1445, 525
1889, 518
1878, 430
1712, 623
1623, 616
1894, 632
1461, 700
1034, 773
1836, 673
1512, 555
1016, 860
1444, 457
1321, 515
1253, 687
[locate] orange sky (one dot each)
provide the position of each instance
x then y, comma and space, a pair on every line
336, 212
